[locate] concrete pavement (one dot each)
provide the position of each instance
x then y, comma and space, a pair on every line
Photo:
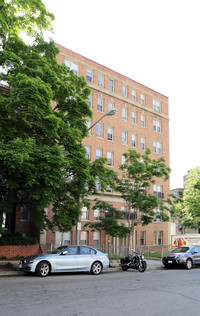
11, 268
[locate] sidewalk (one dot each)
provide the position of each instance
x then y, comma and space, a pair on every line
11, 268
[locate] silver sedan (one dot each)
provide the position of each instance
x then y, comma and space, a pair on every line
71, 259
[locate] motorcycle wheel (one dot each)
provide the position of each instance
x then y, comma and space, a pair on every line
143, 266
124, 268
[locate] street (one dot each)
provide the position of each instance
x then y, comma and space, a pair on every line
155, 292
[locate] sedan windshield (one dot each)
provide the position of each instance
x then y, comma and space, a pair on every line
181, 249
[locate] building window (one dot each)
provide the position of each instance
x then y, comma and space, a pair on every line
156, 105
134, 117
99, 131
111, 85
88, 124
89, 75
134, 140
123, 160
157, 147
157, 126
124, 113
142, 121
108, 188
142, 142
71, 66
110, 106
98, 185
124, 212
158, 238
96, 214
110, 158
100, 80
84, 213
96, 239
84, 238
98, 153
88, 149
142, 99
142, 238
124, 91
24, 212
100, 105
110, 133
157, 191
157, 217
133, 94
89, 101
124, 137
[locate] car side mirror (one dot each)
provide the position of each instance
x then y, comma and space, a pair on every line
64, 253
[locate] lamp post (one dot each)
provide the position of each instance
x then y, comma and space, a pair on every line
109, 113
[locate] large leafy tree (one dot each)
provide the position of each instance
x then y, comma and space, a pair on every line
42, 159
186, 208
138, 174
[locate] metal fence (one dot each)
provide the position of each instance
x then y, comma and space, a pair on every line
121, 251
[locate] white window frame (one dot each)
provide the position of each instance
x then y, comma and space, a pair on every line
89, 101
134, 140
157, 126
157, 147
156, 218
101, 81
142, 120
110, 133
124, 138
142, 98
89, 75
124, 113
96, 239
99, 105
84, 213
71, 66
99, 130
110, 106
84, 237
133, 117
99, 153
133, 94
110, 158
142, 238
111, 85
158, 238
97, 214
88, 151
124, 90
156, 105
142, 144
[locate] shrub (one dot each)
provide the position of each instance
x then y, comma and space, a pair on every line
17, 239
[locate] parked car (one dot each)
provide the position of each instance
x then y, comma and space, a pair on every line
186, 256
70, 259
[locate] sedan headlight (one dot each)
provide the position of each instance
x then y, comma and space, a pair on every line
30, 261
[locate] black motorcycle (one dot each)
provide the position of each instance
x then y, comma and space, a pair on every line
134, 261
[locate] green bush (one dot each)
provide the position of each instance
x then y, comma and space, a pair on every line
17, 239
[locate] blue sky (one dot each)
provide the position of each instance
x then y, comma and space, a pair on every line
155, 42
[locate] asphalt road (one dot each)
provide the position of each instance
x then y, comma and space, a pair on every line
155, 292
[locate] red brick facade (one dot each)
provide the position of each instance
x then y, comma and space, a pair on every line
18, 250
148, 105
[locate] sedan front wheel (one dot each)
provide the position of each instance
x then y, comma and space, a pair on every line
43, 269
189, 264
96, 268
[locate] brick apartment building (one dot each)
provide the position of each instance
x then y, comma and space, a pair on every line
141, 122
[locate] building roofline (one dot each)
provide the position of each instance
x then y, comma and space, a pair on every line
112, 70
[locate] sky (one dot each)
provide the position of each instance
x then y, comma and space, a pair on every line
154, 42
